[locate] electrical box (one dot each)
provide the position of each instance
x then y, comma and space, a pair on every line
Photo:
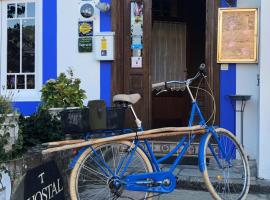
104, 45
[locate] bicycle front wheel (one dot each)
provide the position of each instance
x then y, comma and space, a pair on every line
91, 179
227, 174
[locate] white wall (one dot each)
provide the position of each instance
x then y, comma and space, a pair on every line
84, 64
264, 112
247, 84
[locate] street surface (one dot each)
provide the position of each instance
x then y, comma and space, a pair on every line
201, 195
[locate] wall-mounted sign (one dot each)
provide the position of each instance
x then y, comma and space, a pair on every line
87, 10
44, 182
5, 186
238, 35
104, 45
86, 28
85, 44
136, 31
137, 53
136, 62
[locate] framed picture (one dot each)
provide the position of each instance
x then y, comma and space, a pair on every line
237, 35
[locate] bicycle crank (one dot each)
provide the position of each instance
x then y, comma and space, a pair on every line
158, 182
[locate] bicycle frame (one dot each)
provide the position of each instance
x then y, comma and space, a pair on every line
148, 182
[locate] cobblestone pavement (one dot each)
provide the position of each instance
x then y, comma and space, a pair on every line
200, 195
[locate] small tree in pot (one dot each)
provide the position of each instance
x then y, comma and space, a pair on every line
63, 92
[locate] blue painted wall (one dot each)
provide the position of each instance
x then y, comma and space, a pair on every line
105, 66
49, 39
26, 108
227, 87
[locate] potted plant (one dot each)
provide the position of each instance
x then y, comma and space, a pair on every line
62, 93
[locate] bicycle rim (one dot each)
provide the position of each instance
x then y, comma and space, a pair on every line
89, 181
230, 178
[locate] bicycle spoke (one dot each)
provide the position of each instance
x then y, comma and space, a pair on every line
230, 180
92, 170
93, 183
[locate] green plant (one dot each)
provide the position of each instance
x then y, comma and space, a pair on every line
39, 128
5, 107
63, 92
6, 114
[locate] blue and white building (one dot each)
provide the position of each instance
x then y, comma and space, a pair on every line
39, 40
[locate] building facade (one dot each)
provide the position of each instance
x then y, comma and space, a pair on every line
41, 38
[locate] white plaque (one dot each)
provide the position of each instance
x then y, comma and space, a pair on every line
224, 67
136, 62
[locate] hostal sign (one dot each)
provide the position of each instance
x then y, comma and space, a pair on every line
44, 183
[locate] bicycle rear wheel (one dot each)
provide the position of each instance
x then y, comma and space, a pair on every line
90, 179
226, 177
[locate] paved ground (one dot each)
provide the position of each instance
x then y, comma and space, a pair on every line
199, 195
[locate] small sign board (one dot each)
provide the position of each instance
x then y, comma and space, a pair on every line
86, 28
87, 10
85, 44
104, 45
44, 182
136, 62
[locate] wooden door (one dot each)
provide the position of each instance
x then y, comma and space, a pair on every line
127, 79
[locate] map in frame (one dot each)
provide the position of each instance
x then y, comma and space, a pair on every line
237, 35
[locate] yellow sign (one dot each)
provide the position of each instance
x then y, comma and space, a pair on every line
86, 28
103, 43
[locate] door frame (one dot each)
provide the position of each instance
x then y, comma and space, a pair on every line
117, 72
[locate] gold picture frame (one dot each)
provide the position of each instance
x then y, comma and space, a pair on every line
237, 35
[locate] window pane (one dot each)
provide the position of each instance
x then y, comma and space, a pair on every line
11, 82
11, 10
28, 45
30, 9
20, 82
20, 10
13, 46
30, 82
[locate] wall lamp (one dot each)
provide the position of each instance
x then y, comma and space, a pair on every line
103, 7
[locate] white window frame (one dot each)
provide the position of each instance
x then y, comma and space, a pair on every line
21, 94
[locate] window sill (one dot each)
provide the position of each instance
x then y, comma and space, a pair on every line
23, 96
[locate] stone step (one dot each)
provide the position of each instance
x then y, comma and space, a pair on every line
190, 177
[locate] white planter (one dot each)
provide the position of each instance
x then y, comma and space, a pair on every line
56, 111
11, 126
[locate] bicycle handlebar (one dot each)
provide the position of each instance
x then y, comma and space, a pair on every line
201, 72
156, 85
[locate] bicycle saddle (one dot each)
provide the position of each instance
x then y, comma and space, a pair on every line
128, 98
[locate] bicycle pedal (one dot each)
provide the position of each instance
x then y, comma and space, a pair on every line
177, 179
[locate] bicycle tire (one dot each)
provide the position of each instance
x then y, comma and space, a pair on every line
218, 180
86, 159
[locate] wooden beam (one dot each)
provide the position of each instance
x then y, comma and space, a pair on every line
154, 133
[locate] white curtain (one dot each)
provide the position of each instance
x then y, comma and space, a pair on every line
168, 51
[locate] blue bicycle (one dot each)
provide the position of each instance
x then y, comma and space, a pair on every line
130, 170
